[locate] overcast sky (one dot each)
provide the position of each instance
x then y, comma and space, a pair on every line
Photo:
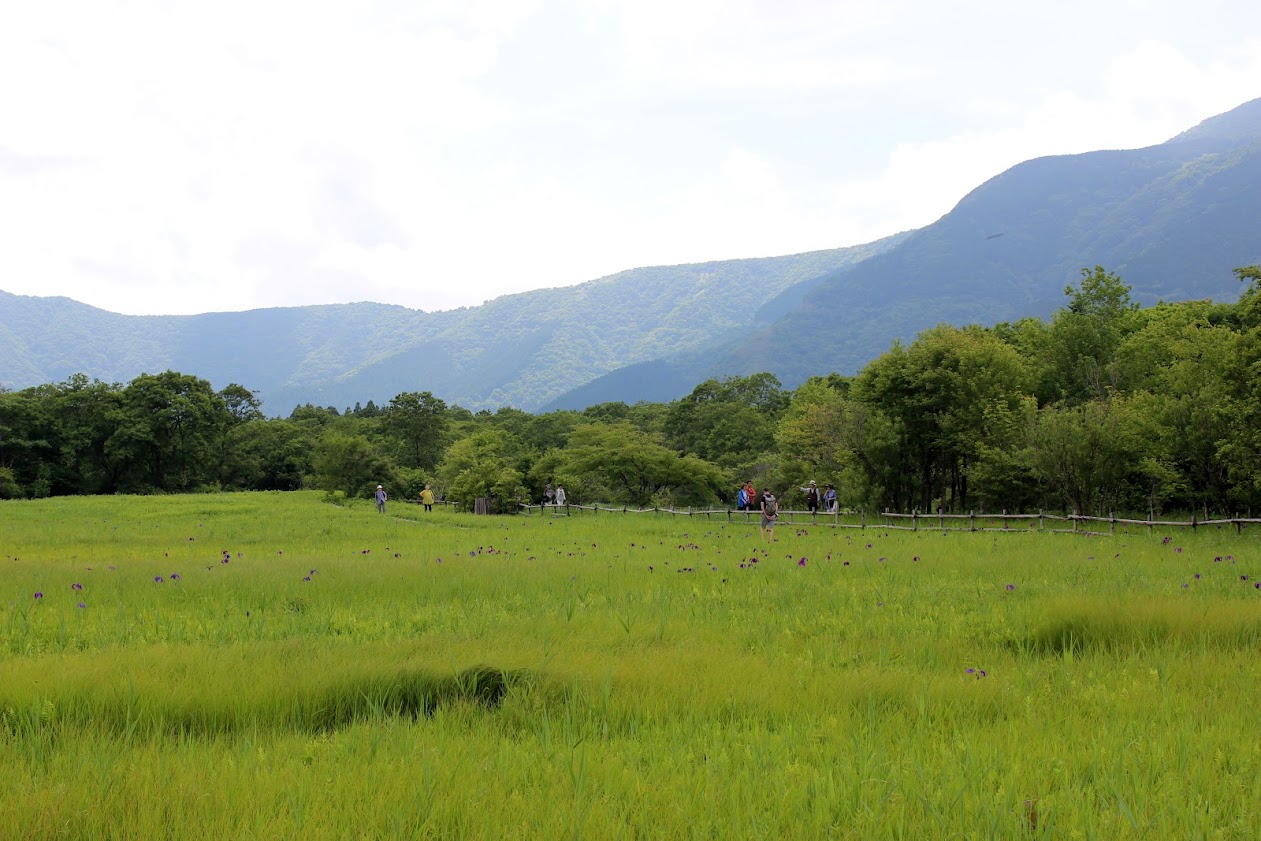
169, 157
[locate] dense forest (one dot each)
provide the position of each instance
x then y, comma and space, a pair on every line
1106, 406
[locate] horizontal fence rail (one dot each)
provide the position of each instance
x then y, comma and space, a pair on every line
890, 520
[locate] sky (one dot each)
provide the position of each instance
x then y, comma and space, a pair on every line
172, 157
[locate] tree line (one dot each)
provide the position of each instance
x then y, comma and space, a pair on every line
1105, 406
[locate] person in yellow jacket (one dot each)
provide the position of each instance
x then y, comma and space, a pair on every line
426, 498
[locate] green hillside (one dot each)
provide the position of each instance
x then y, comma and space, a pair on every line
519, 350
1173, 220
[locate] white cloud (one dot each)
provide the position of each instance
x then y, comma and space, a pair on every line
184, 157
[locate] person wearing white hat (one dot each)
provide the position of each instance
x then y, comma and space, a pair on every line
812, 497
380, 495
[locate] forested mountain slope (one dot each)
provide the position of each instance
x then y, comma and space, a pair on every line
519, 350
1173, 220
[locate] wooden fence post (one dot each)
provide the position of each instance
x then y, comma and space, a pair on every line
1112, 522
971, 521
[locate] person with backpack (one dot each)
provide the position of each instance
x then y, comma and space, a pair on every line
770, 512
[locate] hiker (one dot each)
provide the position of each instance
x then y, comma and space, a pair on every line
770, 511
426, 498
742, 499
560, 494
829, 499
380, 497
548, 494
812, 497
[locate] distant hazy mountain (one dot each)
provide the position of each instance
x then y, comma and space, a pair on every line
519, 350
1172, 220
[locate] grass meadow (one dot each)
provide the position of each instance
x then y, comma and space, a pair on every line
261, 666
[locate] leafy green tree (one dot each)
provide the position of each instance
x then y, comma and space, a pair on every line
1084, 337
241, 404
26, 441
349, 463
1240, 449
939, 393
620, 463
168, 425
419, 421
267, 455
485, 464
730, 422
1082, 455
828, 436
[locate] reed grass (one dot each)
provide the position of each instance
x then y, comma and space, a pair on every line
449, 676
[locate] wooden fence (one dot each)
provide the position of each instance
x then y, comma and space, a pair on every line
971, 522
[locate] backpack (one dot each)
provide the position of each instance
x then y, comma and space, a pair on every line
770, 506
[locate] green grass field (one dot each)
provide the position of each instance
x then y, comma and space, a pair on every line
271, 666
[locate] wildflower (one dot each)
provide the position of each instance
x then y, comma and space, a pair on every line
308, 578
1218, 559
38, 594
157, 579
81, 604
1243, 578
1177, 550
76, 586
224, 561
916, 558
1197, 576
175, 576
1185, 585
802, 562
650, 567
313, 571
1011, 587
845, 563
